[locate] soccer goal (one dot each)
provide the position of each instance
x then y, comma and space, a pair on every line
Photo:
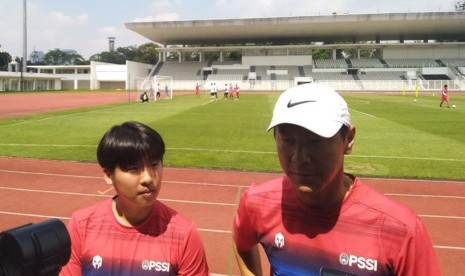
163, 87
157, 87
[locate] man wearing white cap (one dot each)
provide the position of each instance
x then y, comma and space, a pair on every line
316, 219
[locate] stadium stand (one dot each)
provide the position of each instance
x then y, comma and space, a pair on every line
331, 63
411, 62
186, 70
348, 74
366, 63
277, 54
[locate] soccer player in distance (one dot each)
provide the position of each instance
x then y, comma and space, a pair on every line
133, 233
444, 96
317, 219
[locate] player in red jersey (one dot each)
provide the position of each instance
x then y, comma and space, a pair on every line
316, 219
133, 233
444, 96
236, 91
197, 90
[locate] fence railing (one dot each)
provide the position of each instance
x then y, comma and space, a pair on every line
339, 85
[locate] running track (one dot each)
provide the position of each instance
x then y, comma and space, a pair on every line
35, 190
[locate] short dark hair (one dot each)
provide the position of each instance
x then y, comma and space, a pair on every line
344, 131
131, 143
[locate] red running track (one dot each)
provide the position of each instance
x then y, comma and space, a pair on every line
16, 104
35, 190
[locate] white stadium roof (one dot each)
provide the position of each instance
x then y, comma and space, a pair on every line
329, 29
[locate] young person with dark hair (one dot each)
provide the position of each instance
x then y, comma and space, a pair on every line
133, 233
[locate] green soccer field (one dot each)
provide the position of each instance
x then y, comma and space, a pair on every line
396, 136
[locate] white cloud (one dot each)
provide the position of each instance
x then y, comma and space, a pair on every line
63, 19
169, 16
144, 19
162, 5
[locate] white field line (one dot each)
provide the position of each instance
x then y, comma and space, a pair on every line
99, 177
366, 114
45, 119
441, 217
425, 196
55, 117
51, 174
245, 186
102, 195
241, 151
449, 247
415, 180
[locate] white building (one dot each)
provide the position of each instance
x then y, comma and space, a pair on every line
97, 75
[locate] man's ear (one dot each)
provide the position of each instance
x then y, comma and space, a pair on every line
350, 140
107, 177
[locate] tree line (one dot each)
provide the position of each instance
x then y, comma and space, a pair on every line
145, 53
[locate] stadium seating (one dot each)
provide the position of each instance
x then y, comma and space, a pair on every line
351, 74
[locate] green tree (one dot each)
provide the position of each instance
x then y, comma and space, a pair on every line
129, 53
5, 58
147, 53
460, 6
117, 57
233, 55
321, 54
59, 57
211, 56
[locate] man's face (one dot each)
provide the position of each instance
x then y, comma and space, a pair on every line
314, 164
137, 185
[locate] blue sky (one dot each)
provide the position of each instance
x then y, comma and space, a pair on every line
85, 25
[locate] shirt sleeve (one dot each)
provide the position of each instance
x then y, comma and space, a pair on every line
417, 256
245, 235
73, 267
193, 259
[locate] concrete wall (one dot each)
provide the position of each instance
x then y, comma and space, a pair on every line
135, 71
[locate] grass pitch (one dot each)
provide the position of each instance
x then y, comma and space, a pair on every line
396, 136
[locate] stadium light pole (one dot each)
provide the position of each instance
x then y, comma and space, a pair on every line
24, 59
24, 36
129, 87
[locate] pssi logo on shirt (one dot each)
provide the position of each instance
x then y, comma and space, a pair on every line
360, 262
156, 265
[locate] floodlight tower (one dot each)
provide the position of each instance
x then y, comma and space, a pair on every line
24, 61
111, 43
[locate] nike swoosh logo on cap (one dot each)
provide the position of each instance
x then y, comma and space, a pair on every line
291, 104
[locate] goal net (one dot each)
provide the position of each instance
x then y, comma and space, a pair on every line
157, 87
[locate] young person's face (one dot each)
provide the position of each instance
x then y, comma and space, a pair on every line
314, 164
135, 185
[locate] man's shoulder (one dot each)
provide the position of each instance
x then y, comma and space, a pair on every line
268, 193
169, 216
270, 186
393, 210
99, 213
96, 209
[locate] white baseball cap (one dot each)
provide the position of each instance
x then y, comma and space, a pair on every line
315, 107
